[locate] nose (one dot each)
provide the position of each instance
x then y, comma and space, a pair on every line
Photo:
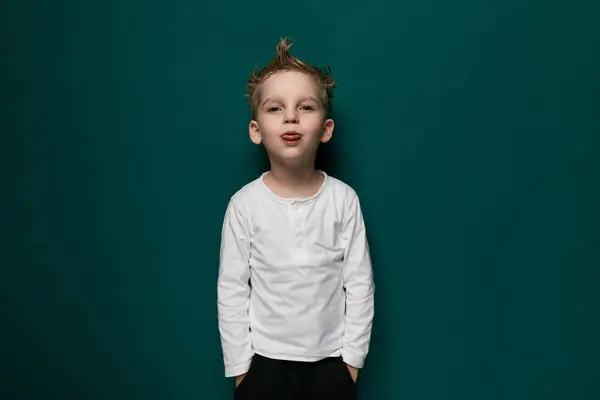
290, 117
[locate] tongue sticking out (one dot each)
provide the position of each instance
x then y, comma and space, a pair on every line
291, 137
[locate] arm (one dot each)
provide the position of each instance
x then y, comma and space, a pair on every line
233, 292
358, 282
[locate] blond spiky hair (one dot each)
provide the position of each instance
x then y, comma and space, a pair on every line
284, 61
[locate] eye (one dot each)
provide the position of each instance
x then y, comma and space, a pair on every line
272, 109
307, 107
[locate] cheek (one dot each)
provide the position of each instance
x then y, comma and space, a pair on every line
314, 123
270, 126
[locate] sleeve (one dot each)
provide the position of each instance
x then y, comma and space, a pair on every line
233, 292
360, 288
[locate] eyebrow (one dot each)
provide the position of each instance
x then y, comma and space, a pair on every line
303, 99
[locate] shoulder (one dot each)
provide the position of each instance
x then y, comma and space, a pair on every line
246, 194
342, 192
346, 198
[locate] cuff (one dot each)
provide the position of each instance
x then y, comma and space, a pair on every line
238, 369
352, 359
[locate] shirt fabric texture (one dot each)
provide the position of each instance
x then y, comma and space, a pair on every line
295, 278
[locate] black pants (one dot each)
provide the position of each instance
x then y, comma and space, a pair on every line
269, 379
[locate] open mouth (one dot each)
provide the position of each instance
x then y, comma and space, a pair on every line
291, 137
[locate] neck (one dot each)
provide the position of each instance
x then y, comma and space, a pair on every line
293, 177
294, 181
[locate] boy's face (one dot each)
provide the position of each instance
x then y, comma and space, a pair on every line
290, 118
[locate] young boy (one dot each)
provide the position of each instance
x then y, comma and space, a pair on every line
295, 286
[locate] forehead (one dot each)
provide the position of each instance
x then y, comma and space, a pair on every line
289, 83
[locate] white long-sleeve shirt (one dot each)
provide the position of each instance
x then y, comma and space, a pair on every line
295, 277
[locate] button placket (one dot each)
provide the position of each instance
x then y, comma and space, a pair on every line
297, 223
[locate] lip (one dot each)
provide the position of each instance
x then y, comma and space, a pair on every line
291, 138
290, 133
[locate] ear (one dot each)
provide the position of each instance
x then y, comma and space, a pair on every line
254, 130
328, 125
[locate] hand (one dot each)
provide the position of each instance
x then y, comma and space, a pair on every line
353, 372
239, 379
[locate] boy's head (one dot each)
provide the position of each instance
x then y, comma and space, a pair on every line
291, 106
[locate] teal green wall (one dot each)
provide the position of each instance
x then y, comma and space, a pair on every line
469, 129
